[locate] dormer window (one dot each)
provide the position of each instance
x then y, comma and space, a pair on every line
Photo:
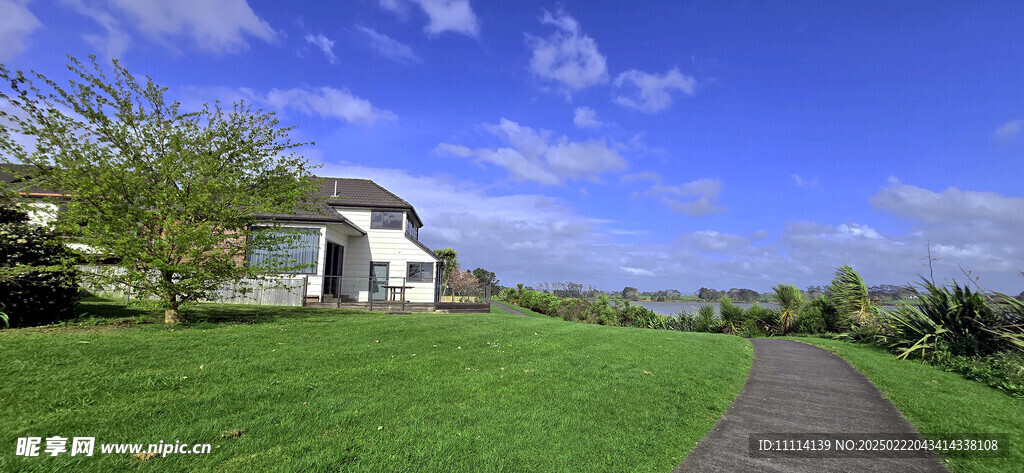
386, 220
411, 231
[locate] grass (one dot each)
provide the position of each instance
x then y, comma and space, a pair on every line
298, 389
936, 401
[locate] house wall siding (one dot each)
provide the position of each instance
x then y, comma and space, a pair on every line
383, 246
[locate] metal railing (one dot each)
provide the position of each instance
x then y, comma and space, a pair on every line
379, 291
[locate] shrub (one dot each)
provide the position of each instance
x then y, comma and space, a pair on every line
851, 298
705, 320
732, 316
830, 317
948, 320
38, 280
752, 328
636, 316
810, 319
574, 310
508, 295
765, 318
1003, 371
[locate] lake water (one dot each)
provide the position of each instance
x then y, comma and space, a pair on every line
673, 308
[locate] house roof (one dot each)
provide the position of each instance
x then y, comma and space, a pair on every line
17, 177
348, 192
322, 214
336, 191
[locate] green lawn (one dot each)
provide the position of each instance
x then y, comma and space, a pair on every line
939, 402
291, 389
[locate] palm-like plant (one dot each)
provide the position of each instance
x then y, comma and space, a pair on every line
732, 316
850, 295
705, 319
790, 300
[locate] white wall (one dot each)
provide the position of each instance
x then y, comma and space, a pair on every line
382, 246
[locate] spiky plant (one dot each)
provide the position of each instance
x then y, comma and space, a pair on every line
732, 315
953, 320
705, 319
850, 295
790, 300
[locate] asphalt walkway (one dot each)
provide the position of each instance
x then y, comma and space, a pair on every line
797, 388
507, 308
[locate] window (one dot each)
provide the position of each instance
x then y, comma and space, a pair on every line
411, 231
302, 250
420, 272
386, 220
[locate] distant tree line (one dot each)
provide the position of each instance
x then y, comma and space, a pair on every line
734, 294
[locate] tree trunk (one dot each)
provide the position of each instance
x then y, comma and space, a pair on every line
171, 315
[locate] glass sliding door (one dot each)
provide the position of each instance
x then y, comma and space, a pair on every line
378, 279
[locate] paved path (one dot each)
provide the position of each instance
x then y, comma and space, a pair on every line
795, 387
507, 308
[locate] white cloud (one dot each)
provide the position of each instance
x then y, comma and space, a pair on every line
216, 26
443, 15
704, 193
710, 240
637, 271
325, 102
389, 47
16, 23
586, 117
801, 182
951, 206
328, 102
567, 56
497, 232
1010, 130
506, 233
532, 155
653, 91
324, 43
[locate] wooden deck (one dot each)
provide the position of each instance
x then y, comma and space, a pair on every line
392, 307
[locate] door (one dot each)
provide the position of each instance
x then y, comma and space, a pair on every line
379, 279
332, 269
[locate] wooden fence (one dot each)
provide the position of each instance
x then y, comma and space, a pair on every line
288, 292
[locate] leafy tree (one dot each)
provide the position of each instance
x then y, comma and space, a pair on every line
743, 295
172, 196
630, 293
706, 294
464, 283
790, 301
485, 277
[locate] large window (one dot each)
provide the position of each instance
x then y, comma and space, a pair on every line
386, 220
298, 257
420, 272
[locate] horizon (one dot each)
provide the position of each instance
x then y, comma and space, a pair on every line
656, 146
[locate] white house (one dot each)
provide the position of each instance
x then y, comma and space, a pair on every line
363, 244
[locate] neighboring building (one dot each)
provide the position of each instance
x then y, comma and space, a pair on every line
363, 243
39, 211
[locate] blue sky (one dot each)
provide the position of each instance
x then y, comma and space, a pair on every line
665, 145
